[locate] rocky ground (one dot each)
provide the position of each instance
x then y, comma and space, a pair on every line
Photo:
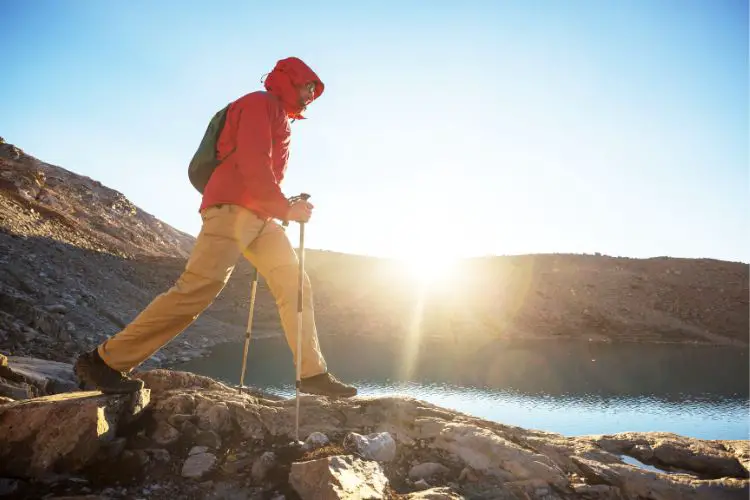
187, 436
78, 261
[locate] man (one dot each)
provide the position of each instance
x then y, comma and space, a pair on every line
241, 205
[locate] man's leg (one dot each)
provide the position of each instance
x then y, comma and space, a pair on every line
224, 233
272, 254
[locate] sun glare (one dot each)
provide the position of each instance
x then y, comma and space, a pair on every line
429, 270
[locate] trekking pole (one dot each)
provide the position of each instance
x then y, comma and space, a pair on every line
300, 282
253, 290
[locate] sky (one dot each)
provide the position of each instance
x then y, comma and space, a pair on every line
447, 129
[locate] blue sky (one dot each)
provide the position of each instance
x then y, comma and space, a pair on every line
458, 128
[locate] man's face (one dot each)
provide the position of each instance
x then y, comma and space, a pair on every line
306, 93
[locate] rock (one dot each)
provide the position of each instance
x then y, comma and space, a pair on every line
29, 334
198, 465
158, 454
602, 491
8, 486
5, 400
435, 494
467, 474
80, 497
250, 424
208, 438
50, 377
338, 477
56, 308
171, 405
314, 441
541, 491
113, 449
236, 465
380, 447
177, 420
639, 483
189, 432
427, 470
485, 451
63, 432
164, 434
165, 380
233, 490
667, 450
528, 488
421, 484
263, 465
214, 416
16, 391
740, 449
195, 450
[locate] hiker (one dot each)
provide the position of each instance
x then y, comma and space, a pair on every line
241, 208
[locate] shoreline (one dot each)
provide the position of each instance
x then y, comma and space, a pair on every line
566, 393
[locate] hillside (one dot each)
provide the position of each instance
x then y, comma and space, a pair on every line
78, 260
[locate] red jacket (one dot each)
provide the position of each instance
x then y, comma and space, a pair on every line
255, 143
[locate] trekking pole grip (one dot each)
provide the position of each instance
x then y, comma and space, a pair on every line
301, 196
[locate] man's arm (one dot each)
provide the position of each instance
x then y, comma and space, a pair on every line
254, 158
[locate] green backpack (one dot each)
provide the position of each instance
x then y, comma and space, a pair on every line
205, 159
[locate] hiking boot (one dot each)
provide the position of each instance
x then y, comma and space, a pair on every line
326, 384
92, 371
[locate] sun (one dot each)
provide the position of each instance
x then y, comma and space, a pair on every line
429, 270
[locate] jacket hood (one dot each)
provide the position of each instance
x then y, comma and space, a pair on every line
281, 81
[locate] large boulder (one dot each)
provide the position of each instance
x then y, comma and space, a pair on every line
61, 433
26, 378
338, 477
638, 483
50, 377
488, 452
710, 459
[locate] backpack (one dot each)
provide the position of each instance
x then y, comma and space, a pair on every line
204, 160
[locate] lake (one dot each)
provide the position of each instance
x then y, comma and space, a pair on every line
571, 388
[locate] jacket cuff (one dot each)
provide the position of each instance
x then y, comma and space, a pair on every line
280, 209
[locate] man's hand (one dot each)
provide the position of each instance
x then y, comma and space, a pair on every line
300, 211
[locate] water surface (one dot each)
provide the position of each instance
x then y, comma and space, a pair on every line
572, 388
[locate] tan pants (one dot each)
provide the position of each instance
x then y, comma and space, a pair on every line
228, 231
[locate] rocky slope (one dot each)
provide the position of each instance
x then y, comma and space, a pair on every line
78, 260
187, 436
